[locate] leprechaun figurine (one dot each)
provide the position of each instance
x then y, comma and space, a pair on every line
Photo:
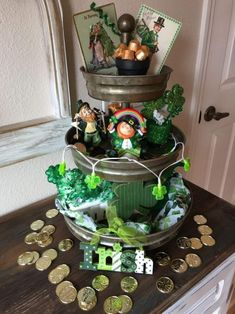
125, 136
86, 121
150, 37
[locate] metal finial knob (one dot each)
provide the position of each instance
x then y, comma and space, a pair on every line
126, 25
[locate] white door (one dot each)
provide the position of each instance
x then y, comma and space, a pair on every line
212, 147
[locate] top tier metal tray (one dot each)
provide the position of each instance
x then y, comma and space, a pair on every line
137, 88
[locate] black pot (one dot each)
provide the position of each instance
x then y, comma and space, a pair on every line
132, 67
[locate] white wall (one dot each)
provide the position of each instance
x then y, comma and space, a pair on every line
25, 182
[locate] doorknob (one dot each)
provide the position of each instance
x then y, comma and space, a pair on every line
211, 113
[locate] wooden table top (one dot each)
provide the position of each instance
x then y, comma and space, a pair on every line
23, 289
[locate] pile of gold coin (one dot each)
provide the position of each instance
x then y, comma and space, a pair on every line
134, 51
58, 274
43, 238
118, 304
66, 292
87, 298
28, 258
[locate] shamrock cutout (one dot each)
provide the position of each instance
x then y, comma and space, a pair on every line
92, 181
117, 247
187, 164
62, 168
159, 191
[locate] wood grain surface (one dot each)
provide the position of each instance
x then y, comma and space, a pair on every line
23, 289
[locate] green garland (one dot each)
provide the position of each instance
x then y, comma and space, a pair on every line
105, 18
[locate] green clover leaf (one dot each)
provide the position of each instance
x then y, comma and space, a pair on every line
159, 191
62, 168
187, 164
117, 247
92, 181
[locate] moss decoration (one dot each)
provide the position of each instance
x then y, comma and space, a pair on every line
131, 196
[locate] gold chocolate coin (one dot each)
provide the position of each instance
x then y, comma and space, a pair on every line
183, 243
193, 260
42, 237
25, 258
56, 275
65, 268
35, 258
179, 265
31, 238
205, 230
127, 303
86, 298
46, 243
100, 282
129, 284
165, 285
208, 240
200, 219
65, 245
51, 213
162, 258
112, 305
66, 292
37, 225
49, 229
196, 243
51, 253
43, 263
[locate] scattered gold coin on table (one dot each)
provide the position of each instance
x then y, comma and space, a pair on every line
51, 213
165, 285
58, 274
35, 257
43, 263
51, 253
87, 298
207, 240
46, 243
37, 225
112, 305
183, 243
100, 282
196, 243
127, 303
193, 260
205, 230
50, 229
129, 284
162, 258
25, 258
200, 219
179, 265
31, 238
65, 245
66, 292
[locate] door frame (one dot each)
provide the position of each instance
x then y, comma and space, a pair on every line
204, 42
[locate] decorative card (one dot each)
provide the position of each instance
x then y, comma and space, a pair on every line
158, 31
97, 41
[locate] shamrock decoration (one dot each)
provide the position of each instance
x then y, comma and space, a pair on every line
159, 191
174, 100
187, 164
92, 181
62, 168
117, 247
